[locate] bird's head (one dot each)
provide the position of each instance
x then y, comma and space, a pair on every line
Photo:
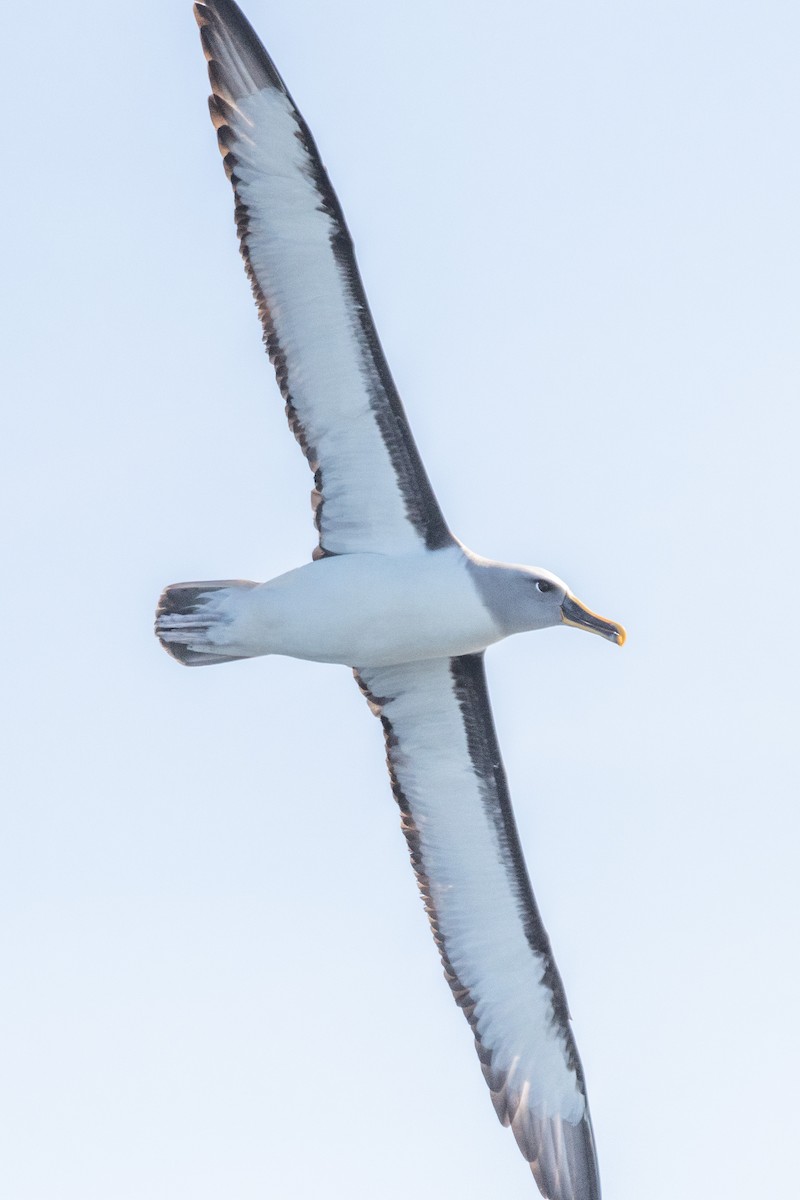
523, 598
550, 602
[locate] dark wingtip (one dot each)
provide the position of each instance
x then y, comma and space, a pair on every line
561, 1156
230, 41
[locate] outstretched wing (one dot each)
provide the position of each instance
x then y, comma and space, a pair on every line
372, 492
449, 781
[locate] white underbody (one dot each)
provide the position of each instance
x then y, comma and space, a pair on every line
359, 610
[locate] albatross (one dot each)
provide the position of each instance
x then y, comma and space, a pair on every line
392, 594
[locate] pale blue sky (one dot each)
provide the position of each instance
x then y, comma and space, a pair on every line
578, 229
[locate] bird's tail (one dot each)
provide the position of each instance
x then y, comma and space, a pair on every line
192, 620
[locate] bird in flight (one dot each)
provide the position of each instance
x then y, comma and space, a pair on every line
391, 593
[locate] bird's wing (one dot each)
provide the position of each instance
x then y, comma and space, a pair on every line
449, 781
371, 490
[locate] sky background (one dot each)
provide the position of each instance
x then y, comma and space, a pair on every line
578, 230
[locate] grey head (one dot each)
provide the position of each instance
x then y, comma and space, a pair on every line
523, 598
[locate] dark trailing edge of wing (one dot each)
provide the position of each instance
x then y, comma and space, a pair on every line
234, 51
562, 1157
469, 682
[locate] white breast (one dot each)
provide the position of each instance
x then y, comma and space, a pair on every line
367, 610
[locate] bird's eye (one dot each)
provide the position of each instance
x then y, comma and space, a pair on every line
543, 585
